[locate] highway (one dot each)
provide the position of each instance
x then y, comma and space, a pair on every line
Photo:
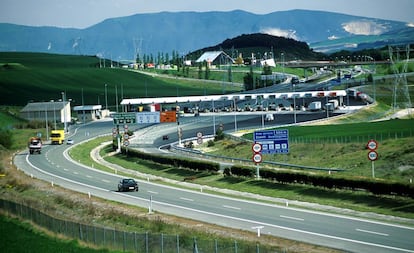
336, 231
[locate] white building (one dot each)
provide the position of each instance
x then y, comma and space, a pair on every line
47, 111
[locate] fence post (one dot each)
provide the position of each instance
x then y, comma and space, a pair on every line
178, 243
162, 243
146, 242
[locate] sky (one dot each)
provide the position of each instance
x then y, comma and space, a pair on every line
85, 13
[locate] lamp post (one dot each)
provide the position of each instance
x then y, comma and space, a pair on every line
47, 125
64, 111
54, 113
106, 97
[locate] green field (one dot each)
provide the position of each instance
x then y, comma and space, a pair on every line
17, 236
41, 77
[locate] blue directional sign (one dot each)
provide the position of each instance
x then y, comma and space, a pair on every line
273, 141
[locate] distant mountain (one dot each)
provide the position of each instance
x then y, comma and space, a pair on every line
183, 32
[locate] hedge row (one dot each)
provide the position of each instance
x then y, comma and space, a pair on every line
175, 161
330, 182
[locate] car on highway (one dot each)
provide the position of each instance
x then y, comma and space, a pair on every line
69, 142
127, 184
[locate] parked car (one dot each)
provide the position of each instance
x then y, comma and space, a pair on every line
69, 142
128, 184
165, 137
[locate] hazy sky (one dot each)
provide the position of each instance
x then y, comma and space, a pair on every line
84, 13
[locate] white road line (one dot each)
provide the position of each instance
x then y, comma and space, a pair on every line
152, 192
106, 181
186, 199
290, 217
76, 173
232, 207
65, 169
88, 176
371, 232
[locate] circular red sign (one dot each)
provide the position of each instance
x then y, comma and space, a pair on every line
372, 144
257, 158
372, 155
257, 147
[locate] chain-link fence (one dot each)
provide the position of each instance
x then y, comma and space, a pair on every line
114, 239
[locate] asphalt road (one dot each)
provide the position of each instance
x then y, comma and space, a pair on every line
347, 233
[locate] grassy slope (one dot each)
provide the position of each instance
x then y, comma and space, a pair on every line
31, 240
42, 77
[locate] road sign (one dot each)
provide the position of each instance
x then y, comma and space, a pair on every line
372, 155
168, 116
124, 117
257, 158
273, 141
257, 147
148, 117
372, 144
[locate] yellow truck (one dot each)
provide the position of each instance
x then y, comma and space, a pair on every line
57, 136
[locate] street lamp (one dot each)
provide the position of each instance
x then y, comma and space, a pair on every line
106, 97
54, 113
64, 111
47, 124
282, 59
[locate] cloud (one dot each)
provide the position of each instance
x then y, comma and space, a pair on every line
280, 32
364, 27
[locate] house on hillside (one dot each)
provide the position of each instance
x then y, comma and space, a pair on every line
53, 111
214, 58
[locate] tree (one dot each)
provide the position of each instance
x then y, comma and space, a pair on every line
239, 60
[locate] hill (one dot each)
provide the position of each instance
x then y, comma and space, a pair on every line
122, 38
259, 43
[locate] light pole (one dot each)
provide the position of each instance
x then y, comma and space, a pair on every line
47, 125
54, 113
64, 111
282, 59
106, 97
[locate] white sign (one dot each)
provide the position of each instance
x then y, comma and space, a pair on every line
372, 155
257, 147
148, 117
257, 158
372, 145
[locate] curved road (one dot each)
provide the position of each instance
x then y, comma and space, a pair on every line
347, 233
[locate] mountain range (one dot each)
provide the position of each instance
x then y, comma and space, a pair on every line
124, 37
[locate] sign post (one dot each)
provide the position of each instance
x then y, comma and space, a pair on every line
372, 154
257, 157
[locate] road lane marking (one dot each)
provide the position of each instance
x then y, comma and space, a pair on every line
152, 192
76, 173
291, 218
221, 215
232, 207
186, 199
371, 232
106, 181
88, 176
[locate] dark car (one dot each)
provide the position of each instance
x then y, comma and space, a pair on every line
127, 184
